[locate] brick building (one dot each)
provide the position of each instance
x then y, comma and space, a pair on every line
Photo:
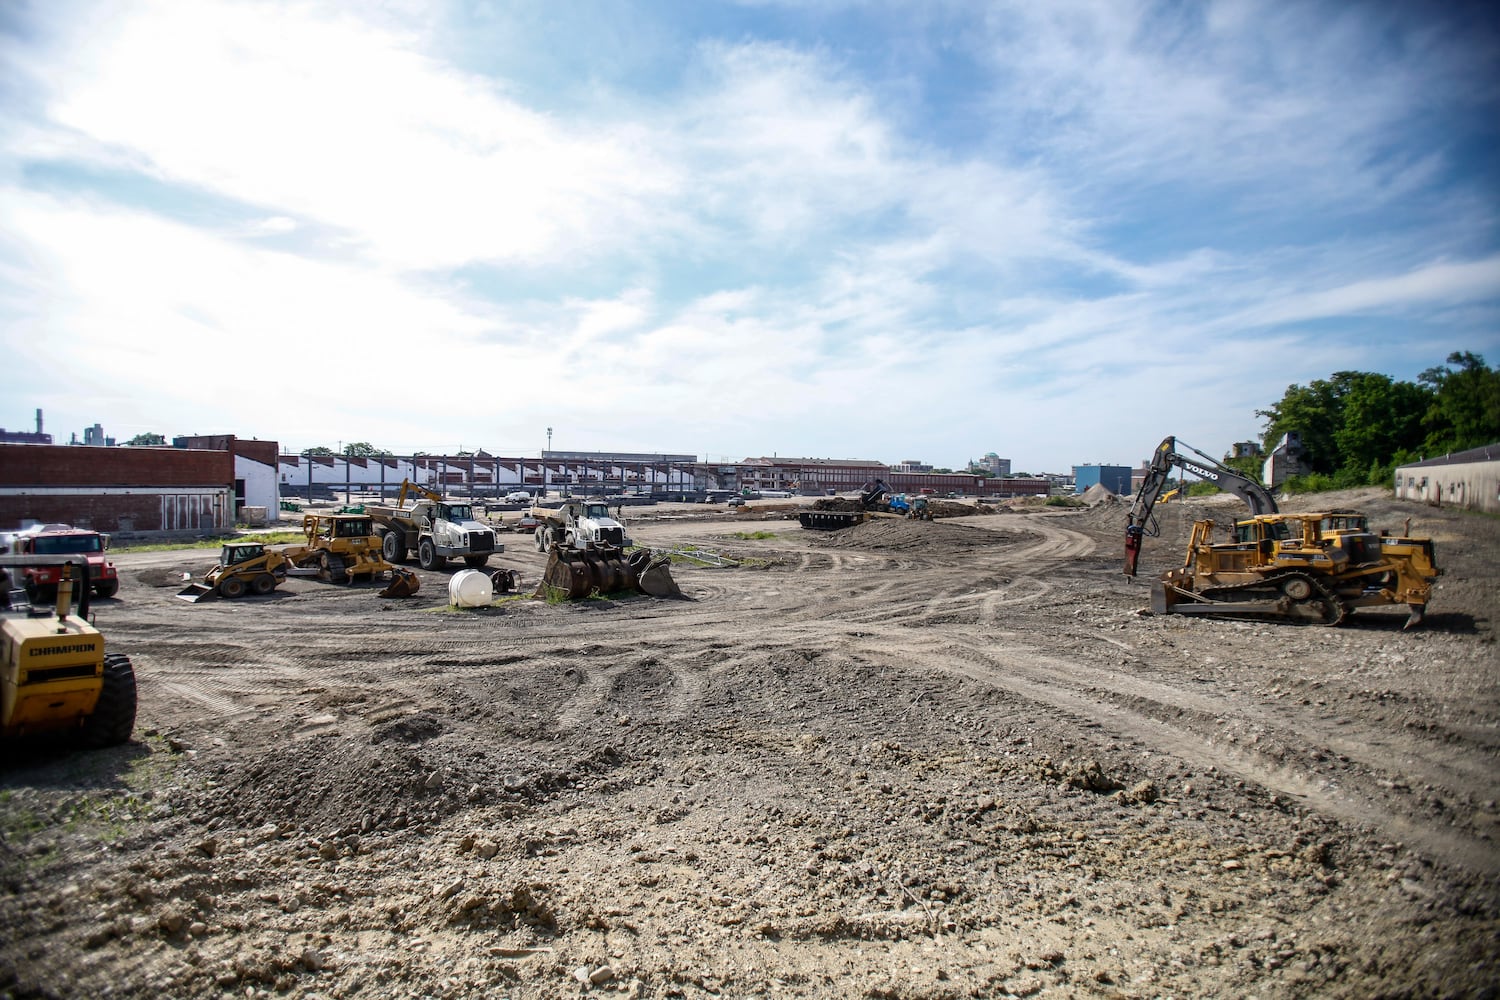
117, 489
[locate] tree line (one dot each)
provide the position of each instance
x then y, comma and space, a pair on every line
1357, 427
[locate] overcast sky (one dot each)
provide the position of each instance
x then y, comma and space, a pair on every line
1058, 231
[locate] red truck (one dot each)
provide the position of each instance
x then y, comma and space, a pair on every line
52, 540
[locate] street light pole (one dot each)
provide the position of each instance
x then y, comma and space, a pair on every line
547, 469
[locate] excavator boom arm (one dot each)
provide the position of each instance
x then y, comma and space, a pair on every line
1166, 458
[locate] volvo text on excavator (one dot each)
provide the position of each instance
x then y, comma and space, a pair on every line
1313, 568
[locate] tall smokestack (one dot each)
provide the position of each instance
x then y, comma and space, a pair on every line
39, 420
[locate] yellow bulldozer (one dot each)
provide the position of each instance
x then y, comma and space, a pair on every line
55, 675
1307, 568
341, 547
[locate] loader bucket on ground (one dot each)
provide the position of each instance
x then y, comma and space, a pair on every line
195, 592
653, 574
578, 573
404, 583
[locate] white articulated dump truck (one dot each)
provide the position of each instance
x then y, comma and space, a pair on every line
578, 525
435, 529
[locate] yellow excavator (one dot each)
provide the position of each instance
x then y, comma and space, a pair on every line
1313, 568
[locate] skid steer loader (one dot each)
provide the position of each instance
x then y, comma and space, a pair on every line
244, 567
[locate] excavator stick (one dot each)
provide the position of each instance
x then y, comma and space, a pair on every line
404, 583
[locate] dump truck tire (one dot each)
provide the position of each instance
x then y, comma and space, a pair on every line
427, 556
231, 587
541, 540
113, 717
263, 584
108, 588
393, 547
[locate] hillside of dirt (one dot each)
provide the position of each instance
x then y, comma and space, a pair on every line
903, 760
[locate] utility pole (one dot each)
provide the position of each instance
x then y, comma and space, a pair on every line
547, 469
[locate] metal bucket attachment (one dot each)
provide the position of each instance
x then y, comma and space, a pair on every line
653, 574
195, 592
576, 573
404, 583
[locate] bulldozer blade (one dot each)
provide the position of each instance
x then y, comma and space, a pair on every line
193, 593
404, 583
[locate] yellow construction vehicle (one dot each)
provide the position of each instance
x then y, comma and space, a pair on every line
1314, 568
244, 567
342, 546
55, 675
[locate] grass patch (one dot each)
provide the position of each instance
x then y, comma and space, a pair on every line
754, 536
1065, 502
274, 538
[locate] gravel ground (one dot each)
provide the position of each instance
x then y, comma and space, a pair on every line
904, 760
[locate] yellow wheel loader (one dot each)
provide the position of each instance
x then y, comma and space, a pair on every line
55, 675
243, 568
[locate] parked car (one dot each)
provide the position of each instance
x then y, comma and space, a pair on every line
518, 496
736, 501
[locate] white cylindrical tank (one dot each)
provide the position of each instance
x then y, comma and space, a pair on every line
470, 589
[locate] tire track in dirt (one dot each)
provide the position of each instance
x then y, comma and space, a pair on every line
1045, 680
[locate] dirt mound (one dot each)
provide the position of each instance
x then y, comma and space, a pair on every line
1099, 493
168, 576
892, 535
953, 508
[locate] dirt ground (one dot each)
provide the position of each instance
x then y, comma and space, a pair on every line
904, 760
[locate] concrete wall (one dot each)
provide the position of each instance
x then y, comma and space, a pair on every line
1471, 485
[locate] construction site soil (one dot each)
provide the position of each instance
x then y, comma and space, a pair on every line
949, 759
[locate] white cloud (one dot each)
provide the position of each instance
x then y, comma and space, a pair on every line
759, 247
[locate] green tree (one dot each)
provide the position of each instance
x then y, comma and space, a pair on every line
1465, 409
1381, 418
1316, 412
319, 451
364, 449
146, 439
